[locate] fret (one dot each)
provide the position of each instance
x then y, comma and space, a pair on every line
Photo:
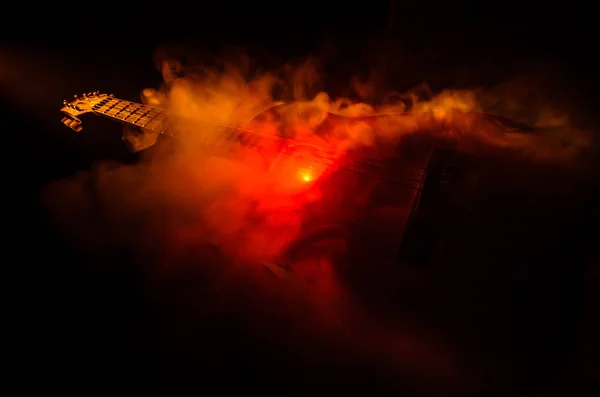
97, 107
149, 117
128, 104
107, 103
136, 121
112, 109
140, 106
134, 113
126, 111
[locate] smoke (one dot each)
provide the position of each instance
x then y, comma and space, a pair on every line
180, 204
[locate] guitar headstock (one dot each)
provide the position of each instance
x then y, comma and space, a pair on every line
78, 106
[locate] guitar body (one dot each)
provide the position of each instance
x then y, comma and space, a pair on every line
375, 183
384, 209
378, 181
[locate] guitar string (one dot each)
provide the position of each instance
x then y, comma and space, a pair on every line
160, 112
257, 132
330, 162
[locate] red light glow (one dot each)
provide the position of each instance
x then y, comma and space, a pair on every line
305, 175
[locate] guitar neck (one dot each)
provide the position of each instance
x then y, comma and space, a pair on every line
133, 113
160, 121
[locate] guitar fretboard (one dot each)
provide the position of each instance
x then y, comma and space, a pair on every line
134, 113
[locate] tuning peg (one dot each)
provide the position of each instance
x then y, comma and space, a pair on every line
75, 96
64, 101
76, 126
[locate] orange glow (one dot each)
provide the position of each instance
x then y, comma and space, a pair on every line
305, 175
206, 208
278, 155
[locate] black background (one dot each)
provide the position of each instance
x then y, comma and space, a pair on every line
78, 323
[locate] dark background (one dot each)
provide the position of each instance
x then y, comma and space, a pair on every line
78, 322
